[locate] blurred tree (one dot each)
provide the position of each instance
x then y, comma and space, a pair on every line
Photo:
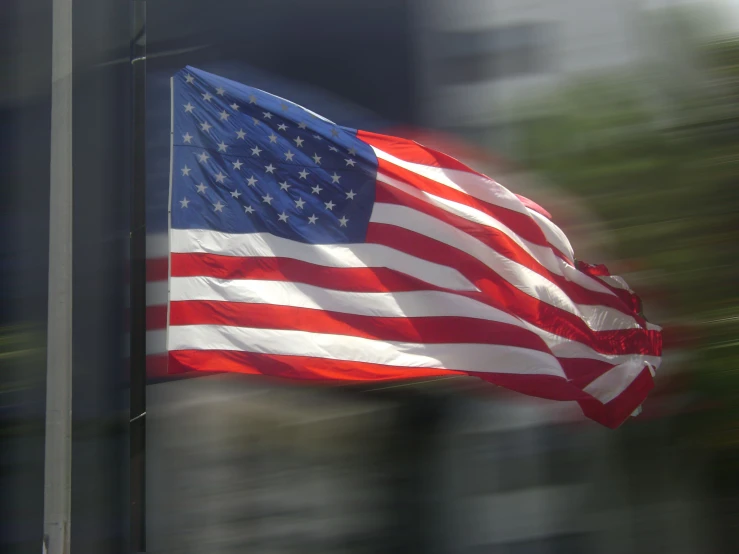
657, 159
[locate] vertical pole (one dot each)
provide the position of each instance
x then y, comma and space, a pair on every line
138, 280
58, 453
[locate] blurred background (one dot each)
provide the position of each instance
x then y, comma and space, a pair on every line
621, 117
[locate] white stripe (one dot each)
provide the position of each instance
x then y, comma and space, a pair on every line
463, 357
598, 318
373, 304
559, 347
615, 381
616, 282
542, 254
554, 235
482, 188
327, 255
399, 304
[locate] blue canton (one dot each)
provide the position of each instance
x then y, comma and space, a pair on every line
245, 161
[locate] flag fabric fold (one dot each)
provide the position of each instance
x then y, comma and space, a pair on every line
303, 249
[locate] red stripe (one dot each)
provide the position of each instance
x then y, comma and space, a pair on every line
521, 223
497, 292
156, 365
322, 369
359, 279
502, 244
618, 410
327, 371
530, 204
293, 367
583, 371
628, 298
433, 330
411, 151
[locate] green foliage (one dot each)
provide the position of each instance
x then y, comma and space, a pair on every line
665, 177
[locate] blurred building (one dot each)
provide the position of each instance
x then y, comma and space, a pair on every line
236, 463
479, 58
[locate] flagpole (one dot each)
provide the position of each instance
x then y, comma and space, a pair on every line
58, 441
137, 425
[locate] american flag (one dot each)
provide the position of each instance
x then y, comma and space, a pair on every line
302, 249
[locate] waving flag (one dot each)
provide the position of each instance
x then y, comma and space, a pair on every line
303, 249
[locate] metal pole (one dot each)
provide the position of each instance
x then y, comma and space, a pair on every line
58, 454
137, 425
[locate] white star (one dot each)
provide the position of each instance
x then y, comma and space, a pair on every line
267, 115
317, 137
201, 188
329, 205
316, 189
299, 142
350, 162
333, 148
220, 177
203, 157
205, 126
299, 203
282, 127
255, 151
186, 171
187, 138
343, 221
218, 206
240, 134
352, 152
237, 165
302, 125
189, 108
235, 107
312, 219
317, 159
283, 217
235, 193
190, 79
269, 168
268, 199
184, 202
220, 91
334, 132
284, 185
273, 138
222, 146
249, 209
255, 120
289, 156
224, 115
207, 96
251, 181
350, 195
335, 178
303, 174
252, 99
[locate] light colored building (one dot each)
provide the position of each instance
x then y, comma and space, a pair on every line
478, 58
